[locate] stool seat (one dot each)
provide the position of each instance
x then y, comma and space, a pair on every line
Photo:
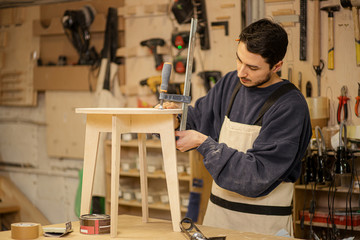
130, 120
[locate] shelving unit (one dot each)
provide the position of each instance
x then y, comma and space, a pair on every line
54, 43
158, 209
303, 194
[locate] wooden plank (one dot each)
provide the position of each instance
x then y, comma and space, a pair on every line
18, 52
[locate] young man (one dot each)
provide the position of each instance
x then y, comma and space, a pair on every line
253, 129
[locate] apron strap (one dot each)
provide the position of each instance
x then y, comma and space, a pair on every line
250, 208
236, 89
272, 99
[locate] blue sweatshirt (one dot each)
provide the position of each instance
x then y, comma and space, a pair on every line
276, 154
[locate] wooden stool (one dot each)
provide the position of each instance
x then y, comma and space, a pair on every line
130, 120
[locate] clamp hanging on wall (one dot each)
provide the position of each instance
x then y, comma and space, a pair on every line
203, 29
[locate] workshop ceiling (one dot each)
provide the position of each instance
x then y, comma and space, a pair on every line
25, 3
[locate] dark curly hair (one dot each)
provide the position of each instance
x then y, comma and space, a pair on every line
266, 38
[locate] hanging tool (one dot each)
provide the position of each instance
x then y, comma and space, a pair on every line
203, 29
357, 102
152, 44
330, 10
342, 105
299, 81
180, 40
185, 99
341, 165
290, 74
354, 5
183, 11
318, 69
76, 24
303, 28
210, 78
188, 227
154, 82
180, 64
321, 156
308, 89
318, 64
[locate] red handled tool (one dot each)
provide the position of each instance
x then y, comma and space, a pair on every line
357, 102
342, 105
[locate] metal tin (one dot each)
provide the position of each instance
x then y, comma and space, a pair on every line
94, 224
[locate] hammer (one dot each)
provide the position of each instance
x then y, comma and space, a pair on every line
331, 10
354, 5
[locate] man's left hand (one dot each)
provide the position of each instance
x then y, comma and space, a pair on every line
189, 139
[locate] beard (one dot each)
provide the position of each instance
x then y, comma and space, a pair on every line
259, 82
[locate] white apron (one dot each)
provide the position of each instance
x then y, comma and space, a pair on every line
241, 137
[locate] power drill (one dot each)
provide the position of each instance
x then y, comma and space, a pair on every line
152, 44
210, 78
154, 82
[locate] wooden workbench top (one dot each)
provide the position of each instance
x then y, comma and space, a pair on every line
132, 227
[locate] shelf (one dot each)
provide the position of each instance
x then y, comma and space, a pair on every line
324, 188
158, 206
316, 224
62, 78
156, 175
54, 26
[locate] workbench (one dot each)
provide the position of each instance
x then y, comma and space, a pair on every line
132, 227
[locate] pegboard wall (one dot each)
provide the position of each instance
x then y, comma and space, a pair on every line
144, 21
345, 72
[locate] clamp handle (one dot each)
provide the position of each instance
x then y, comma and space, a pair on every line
165, 76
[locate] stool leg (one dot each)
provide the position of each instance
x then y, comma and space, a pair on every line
143, 177
90, 152
170, 164
115, 173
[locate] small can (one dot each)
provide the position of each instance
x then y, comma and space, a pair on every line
94, 224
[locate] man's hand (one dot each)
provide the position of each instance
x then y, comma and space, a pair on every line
189, 139
172, 105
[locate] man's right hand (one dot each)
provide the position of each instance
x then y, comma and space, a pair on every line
172, 105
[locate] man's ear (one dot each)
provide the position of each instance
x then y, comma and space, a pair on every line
277, 66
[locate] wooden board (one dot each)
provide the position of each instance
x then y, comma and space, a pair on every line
16, 78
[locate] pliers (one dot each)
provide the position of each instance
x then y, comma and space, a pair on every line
342, 105
357, 102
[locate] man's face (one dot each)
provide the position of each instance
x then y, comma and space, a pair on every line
252, 69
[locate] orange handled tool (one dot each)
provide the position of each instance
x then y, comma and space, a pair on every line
342, 105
